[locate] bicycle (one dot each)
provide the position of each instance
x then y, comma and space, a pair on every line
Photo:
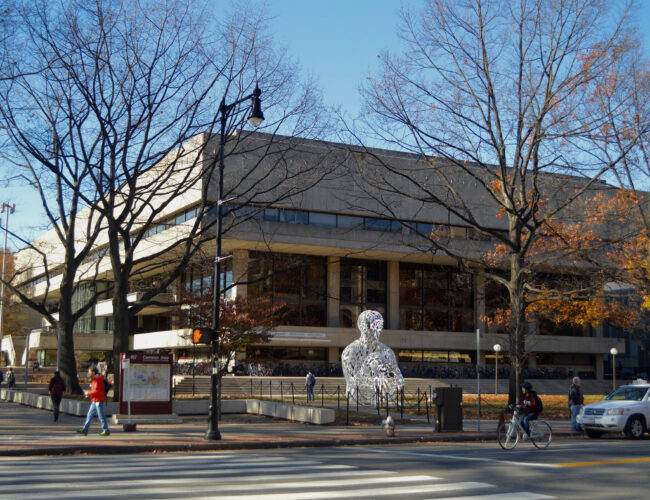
509, 433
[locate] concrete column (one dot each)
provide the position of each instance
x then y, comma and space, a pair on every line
479, 303
392, 283
333, 355
600, 370
240, 273
333, 291
600, 330
532, 360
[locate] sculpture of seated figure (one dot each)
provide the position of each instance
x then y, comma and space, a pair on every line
368, 365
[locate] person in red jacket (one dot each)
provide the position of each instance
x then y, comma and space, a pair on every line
56, 388
529, 402
97, 402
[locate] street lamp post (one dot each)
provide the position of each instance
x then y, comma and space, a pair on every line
613, 351
255, 119
10, 208
497, 350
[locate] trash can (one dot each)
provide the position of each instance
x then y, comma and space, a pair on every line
449, 408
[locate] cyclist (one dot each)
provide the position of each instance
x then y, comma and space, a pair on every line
531, 407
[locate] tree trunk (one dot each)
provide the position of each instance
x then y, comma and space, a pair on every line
65, 328
517, 329
121, 329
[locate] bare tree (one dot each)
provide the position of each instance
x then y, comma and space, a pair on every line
145, 81
492, 100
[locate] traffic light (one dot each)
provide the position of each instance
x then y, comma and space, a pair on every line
202, 335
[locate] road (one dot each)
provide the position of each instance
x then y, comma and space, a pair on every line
570, 468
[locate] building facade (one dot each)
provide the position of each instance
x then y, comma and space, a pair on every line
328, 252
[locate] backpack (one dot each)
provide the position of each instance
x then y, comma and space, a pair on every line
107, 386
312, 379
539, 406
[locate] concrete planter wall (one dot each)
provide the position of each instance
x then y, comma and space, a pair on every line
306, 414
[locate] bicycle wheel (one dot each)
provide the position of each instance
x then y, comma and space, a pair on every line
541, 435
508, 436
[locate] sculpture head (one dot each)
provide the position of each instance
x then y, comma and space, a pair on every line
370, 324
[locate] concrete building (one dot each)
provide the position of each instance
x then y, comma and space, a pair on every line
327, 252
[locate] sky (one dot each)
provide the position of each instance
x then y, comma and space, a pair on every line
336, 41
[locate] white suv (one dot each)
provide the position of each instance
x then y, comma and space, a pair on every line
627, 410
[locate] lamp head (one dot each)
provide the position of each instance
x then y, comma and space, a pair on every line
497, 348
613, 351
256, 117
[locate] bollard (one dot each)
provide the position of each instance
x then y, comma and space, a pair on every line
389, 425
322, 396
338, 397
357, 399
271, 390
418, 400
293, 396
281, 393
426, 402
347, 409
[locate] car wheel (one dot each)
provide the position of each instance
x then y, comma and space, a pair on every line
593, 434
635, 428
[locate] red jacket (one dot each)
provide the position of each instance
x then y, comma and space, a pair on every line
96, 392
529, 403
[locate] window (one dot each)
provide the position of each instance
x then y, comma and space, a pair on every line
325, 220
434, 298
363, 286
297, 281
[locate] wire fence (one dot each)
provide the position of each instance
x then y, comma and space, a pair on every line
400, 401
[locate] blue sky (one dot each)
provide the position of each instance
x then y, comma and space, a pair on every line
336, 41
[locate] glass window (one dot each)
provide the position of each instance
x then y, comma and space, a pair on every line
434, 298
297, 281
362, 286
372, 224
272, 214
294, 216
325, 220
348, 222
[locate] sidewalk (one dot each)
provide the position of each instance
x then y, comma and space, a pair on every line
29, 431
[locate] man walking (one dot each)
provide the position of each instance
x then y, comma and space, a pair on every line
97, 397
56, 388
576, 400
310, 382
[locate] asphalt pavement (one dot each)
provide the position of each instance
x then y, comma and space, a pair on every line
26, 430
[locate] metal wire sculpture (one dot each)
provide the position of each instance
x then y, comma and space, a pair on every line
370, 367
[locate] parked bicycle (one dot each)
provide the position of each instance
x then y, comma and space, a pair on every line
509, 433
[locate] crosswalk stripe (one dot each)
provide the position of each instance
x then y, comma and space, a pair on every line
519, 495
156, 467
466, 458
47, 485
124, 474
307, 482
212, 492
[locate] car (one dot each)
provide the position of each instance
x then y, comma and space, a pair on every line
626, 410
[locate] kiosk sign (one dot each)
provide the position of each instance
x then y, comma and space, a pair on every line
146, 383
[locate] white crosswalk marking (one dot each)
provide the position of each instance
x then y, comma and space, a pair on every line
223, 476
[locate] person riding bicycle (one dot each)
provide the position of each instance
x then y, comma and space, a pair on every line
531, 406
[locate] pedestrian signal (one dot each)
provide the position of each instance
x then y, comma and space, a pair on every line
201, 336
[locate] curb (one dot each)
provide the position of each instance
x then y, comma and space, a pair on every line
114, 449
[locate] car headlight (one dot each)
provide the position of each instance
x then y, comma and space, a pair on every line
615, 411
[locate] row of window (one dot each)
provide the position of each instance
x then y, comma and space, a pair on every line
294, 216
